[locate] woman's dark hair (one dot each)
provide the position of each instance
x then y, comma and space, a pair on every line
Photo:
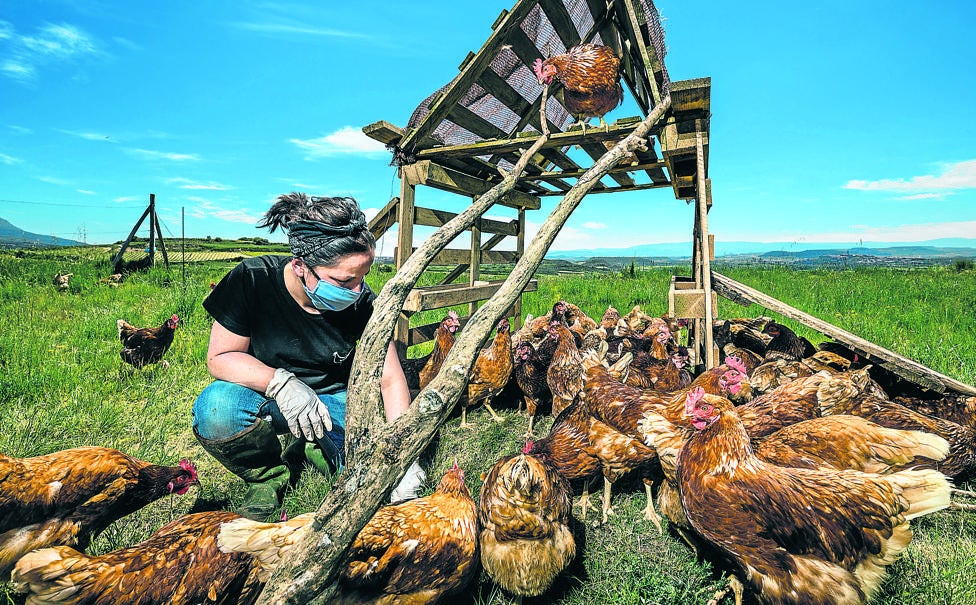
321, 230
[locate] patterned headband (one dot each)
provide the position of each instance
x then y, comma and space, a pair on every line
307, 237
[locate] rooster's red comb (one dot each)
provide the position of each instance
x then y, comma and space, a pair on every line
189, 467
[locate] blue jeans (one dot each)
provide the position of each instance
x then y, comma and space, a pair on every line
225, 409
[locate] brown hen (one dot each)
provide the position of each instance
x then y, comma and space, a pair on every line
590, 74
146, 346
180, 564
70, 496
443, 341
565, 373
524, 513
412, 553
490, 373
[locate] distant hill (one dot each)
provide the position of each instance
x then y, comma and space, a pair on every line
939, 248
12, 236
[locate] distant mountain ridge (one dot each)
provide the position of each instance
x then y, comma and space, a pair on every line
937, 248
12, 236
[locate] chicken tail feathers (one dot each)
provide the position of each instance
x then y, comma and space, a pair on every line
926, 491
266, 542
56, 575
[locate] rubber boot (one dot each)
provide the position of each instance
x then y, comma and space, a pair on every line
254, 455
300, 451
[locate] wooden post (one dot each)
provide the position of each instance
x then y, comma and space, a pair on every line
405, 222
519, 251
162, 246
474, 272
704, 202
152, 229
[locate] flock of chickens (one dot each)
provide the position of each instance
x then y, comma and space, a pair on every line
787, 465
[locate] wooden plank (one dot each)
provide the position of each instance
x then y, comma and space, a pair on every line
488, 245
903, 366
464, 117
616, 132
384, 132
638, 187
648, 56
474, 263
438, 297
433, 175
519, 252
596, 152
703, 205
567, 174
454, 256
384, 219
429, 217
460, 85
559, 17
692, 95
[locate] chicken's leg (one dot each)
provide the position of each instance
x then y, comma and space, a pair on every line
464, 418
585, 498
607, 509
649, 512
529, 434
735, 586
494, 414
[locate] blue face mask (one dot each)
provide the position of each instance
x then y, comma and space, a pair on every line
329, 297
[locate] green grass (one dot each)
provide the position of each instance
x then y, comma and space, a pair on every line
61, 386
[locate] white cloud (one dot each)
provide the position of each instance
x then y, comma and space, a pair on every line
85, 191
346, 140
290, 29
163, 155
17, 71
206, 209
20, 129
53, 180
183, 183
88, 136
959, 175
49, 44
9, 159
128, 198
593, 225
924, 196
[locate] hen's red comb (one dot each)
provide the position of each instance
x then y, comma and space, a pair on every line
736, 364
189, 467
537, 68
452, 314
694, 396
528, 447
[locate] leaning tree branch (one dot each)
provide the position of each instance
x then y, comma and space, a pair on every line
378, 453
383, 452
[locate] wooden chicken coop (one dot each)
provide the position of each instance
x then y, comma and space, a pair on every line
459, 137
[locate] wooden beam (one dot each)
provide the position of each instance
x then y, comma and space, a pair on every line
384, 219
616, 132
454, 256
569, 174
433, 175
692, 95
903, 366
460, 85
384, 132
640, 187
425, 299
488, 245
128, 240
703, 205
561, 21
429, 217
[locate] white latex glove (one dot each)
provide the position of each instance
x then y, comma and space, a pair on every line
410, 485
307, 416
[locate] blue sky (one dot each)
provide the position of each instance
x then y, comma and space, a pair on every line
832, 121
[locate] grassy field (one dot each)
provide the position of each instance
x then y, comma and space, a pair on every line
61, 385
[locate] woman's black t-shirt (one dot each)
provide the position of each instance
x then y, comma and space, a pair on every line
252, 301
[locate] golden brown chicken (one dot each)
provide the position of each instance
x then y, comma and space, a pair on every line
796, 536
412, 553
524, 513
180, 564
443, 341
567, 447
490, 373
590, 74
67, 497
146, 346
849, 393
565, 373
